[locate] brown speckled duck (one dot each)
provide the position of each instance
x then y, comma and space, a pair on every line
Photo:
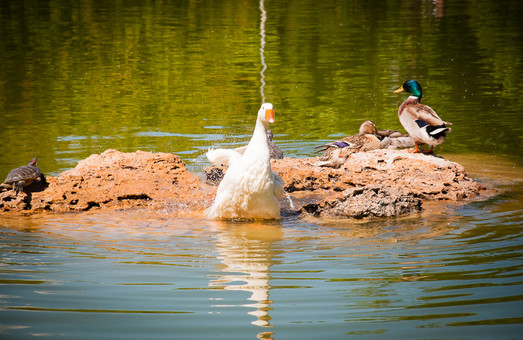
390, 139
336, 153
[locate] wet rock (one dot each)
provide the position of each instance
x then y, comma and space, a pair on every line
11, 201
214, 174
378, 201
426, 176
375, 183
117, 180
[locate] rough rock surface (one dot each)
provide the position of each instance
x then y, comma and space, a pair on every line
379, 201
375, 183
153, 181
426, 176
396, 179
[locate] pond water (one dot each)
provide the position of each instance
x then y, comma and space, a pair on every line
182, 76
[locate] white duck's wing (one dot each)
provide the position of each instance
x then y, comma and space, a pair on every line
229, 198
241, 149
222, 157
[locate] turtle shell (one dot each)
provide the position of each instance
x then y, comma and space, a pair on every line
24, 173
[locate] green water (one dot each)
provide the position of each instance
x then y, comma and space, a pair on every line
81, 77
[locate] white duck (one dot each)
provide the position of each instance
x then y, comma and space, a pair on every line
222, 157
249, 189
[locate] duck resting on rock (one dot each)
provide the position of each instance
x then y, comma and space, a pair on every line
420, 121
390, 139
336, 153
249, 189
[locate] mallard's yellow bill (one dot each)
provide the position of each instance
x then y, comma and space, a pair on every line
399, 90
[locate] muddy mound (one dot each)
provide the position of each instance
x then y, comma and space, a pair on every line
375, 183
117, 180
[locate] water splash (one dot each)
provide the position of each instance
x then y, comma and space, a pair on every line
262, 49
291, 203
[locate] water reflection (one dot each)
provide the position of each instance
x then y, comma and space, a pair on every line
152, 67
445, 270
246, 255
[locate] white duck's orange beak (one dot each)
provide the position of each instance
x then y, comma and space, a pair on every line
269, 115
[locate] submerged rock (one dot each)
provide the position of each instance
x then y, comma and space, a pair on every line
375, 183
378, 201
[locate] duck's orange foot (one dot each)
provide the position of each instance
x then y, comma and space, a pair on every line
416, 149
429, 151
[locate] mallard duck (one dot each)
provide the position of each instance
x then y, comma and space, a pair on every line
249, 189
397, 142
419, 120
336, 153
274, 150
389, 139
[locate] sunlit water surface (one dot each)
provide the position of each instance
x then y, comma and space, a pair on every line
81, 77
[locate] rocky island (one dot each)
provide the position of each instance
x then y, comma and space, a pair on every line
375, 183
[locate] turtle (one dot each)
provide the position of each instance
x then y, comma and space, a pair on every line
20, 177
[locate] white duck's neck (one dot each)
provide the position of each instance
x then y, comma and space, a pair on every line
258, 144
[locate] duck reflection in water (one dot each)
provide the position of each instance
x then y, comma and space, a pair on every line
246, 254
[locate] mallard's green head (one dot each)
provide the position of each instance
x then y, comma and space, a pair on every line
411, 86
